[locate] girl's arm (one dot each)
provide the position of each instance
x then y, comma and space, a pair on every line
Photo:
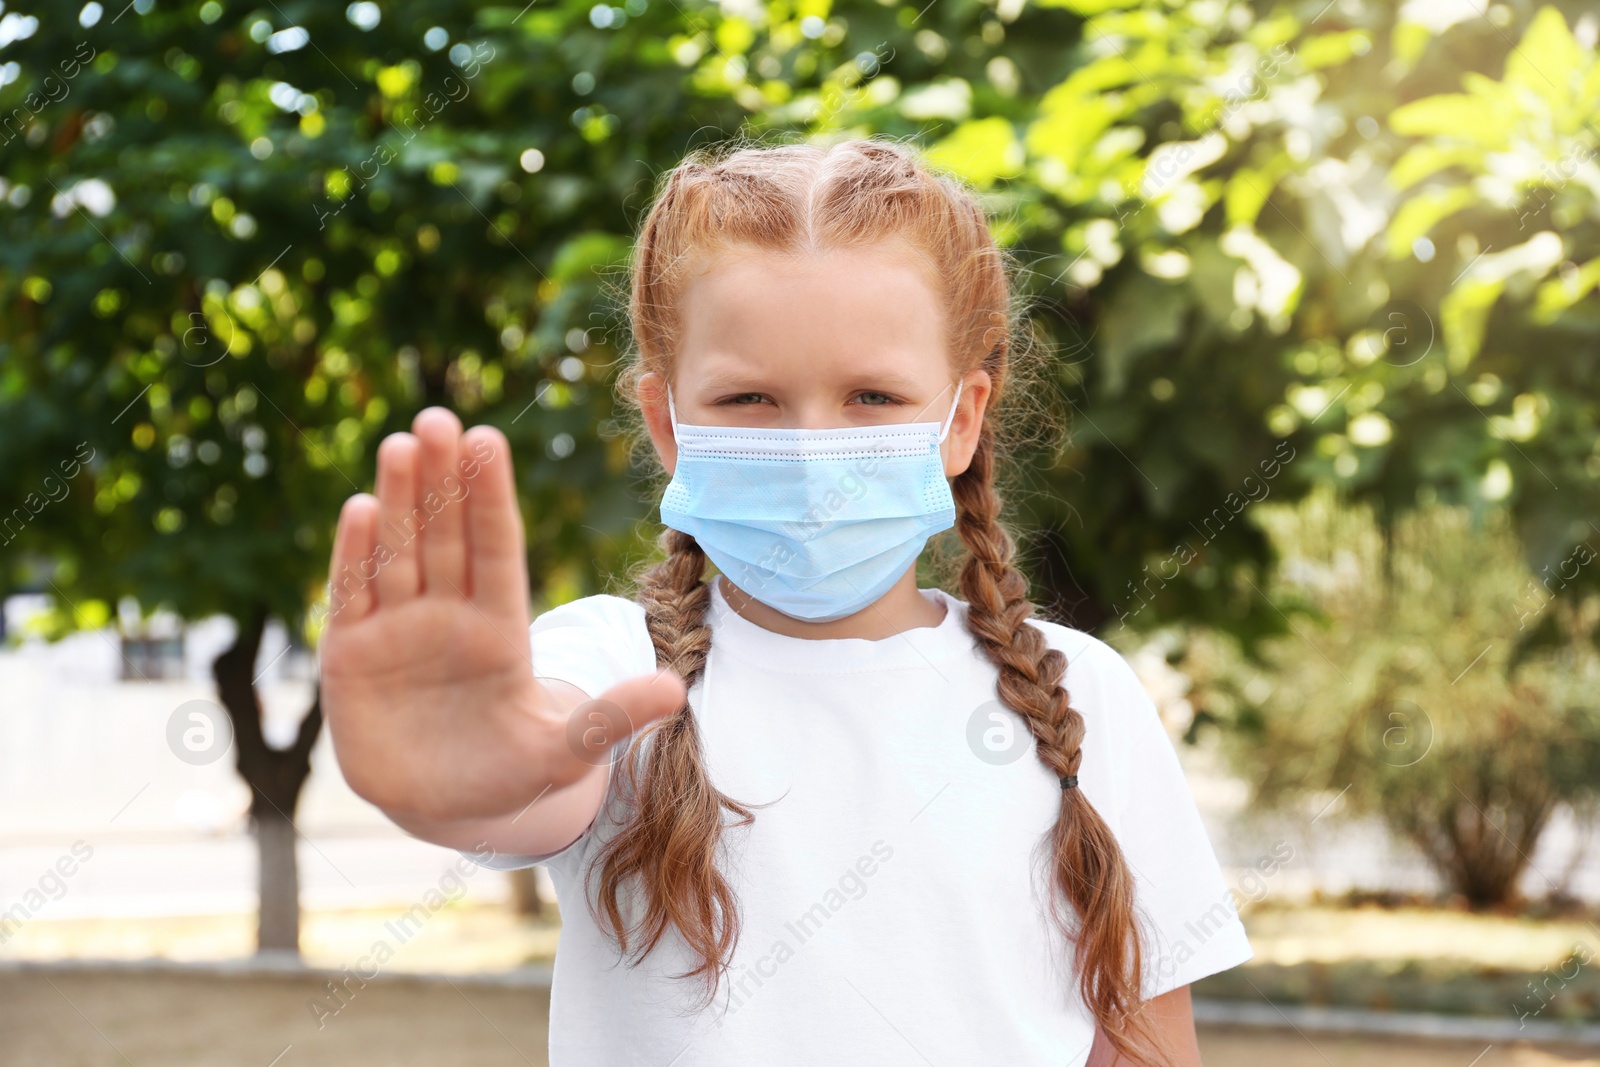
547, 827
1173, 1016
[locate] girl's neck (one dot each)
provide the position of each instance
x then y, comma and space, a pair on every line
901, 608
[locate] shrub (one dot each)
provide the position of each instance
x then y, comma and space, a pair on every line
1443, 691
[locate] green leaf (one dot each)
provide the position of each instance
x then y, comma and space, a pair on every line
1423, 160
1144, 314
1067, 127
1089, 7
1421, 213
585, 254
735, 36
980, 150
1447, 115
1107, 72
1463, 315
1549, 61
1248, 189
1329, 49
1560, 294
1408, 41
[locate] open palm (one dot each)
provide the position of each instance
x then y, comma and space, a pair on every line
430, 693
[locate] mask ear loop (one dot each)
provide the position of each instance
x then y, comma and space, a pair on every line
944, 430
672, 411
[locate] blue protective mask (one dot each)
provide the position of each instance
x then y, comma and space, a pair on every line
815, 523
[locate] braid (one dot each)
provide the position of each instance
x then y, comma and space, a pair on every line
1088, 867
675, 596
669, 843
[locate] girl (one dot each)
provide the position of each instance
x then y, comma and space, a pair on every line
804, 811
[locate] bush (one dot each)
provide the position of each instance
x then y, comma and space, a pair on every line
1444, 690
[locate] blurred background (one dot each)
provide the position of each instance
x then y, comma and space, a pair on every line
1312, 292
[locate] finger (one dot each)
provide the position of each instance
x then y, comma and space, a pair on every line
497, 565
353, 567
399, 520
444, 544
594, 727
645, 699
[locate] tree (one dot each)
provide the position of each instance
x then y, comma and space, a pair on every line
1226, 210
241, 245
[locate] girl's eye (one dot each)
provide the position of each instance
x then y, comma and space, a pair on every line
744, 398
875, 399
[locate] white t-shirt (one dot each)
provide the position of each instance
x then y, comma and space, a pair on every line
893, 897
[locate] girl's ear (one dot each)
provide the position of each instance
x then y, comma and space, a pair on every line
653, 405
976, 388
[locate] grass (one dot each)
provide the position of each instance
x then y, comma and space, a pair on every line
1414, 958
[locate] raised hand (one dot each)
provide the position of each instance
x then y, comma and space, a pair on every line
435, 708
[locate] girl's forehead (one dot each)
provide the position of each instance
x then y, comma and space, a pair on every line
866, 311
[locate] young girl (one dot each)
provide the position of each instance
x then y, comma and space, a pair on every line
801, 812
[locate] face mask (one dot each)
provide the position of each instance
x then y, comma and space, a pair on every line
815, 523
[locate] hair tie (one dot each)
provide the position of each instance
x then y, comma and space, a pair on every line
1069, 781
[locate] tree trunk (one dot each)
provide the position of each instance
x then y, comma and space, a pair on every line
275, 777
1479, 837
525, 897
278, 879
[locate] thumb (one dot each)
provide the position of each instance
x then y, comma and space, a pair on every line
648, 697
596, 726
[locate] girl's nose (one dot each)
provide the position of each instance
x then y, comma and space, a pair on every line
813, 415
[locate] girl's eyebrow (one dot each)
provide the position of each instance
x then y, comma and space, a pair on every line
717, 383
720, 381
886, 379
